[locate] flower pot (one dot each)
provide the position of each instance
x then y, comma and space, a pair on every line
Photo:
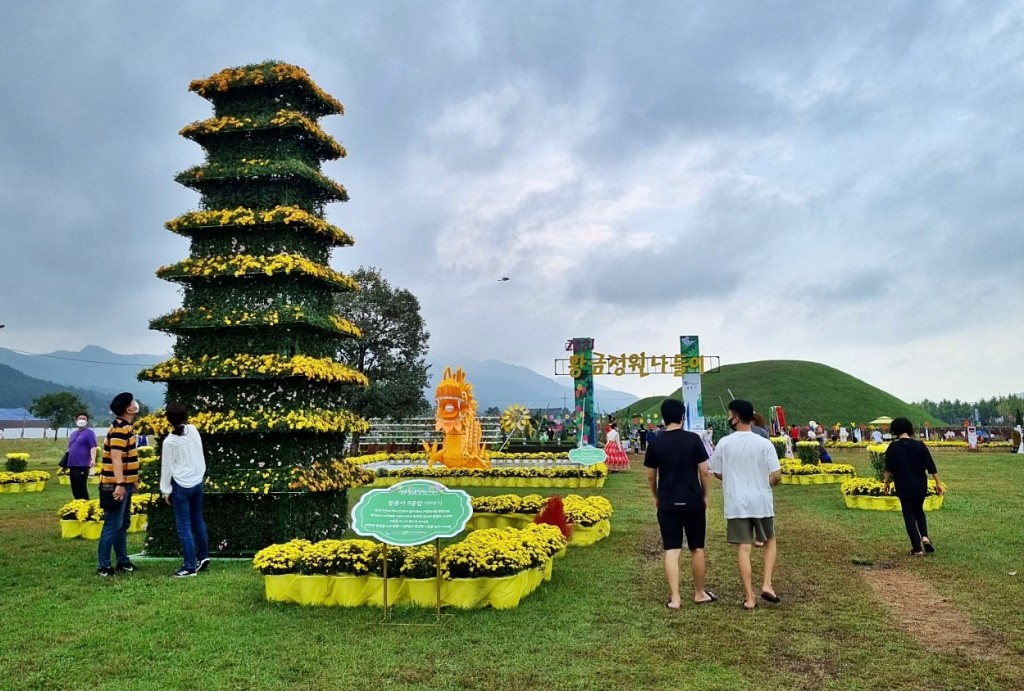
138, 524
814, 479
422, 592
70, 529
92, 530
14, 487
584, 536
64, 479
886, 503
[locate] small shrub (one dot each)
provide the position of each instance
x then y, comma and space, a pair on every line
808, 452
16, 462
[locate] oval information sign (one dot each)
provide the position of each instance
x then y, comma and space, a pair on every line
587, 455
413, 512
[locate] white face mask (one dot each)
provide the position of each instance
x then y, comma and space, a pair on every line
133, 408
81, 422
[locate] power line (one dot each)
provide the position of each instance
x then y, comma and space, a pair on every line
93, 362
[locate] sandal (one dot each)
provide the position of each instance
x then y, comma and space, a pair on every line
929, 547
749, 609
711, 598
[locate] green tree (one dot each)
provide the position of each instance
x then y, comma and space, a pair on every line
60, 408
392, 351
493, 411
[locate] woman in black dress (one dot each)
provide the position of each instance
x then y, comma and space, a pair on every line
908, 463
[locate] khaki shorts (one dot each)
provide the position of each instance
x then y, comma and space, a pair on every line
743, 531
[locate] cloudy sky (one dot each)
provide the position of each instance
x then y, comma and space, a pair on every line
833, 182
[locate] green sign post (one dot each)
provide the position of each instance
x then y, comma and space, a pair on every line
413, 512
410, 513
587, 455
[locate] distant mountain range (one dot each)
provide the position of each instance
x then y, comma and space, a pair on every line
93, 369
97, 375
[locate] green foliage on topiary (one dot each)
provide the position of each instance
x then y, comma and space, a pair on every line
258, 335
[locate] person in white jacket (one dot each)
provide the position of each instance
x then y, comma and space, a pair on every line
182, 469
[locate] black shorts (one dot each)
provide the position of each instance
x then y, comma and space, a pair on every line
675, 523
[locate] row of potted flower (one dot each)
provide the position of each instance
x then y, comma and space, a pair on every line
420, 457
588, 518
858, 492
869, 493
84, 518
795, 472
557, 476
25, 481
495, 567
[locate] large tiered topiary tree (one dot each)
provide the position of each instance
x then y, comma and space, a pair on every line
257, 334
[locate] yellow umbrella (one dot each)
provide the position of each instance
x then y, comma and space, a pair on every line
884, 420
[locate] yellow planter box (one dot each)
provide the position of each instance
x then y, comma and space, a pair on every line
66, 480
815, 479
869, 503
90, 530
357, 591
500, 481
13, 487
87, 530
584, 536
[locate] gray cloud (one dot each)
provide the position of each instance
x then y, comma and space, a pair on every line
776, 159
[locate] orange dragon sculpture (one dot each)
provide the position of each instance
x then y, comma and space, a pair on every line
456, 417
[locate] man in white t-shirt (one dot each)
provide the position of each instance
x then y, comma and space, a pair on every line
748, 467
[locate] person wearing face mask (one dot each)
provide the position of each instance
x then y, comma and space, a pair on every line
81, 456
119, 477
748, 467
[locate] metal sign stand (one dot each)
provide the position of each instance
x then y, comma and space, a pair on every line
439, 616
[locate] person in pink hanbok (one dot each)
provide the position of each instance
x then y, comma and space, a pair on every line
616, 457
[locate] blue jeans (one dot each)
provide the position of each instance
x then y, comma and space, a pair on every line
188, 516
115, 530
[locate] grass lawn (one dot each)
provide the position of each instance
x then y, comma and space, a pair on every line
599, 624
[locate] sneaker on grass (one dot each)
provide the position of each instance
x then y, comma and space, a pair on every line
127, 567
105, 571
203, 565
183, 573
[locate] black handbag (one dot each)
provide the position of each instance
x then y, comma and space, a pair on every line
107, 501
64, 460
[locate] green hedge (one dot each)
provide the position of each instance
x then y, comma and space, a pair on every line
239, 525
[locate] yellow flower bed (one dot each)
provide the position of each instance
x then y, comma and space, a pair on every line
243, 216
259, 419
254, 366
494, 568
264, 73
557, 476
25, 481
250, 265
887, 502
81, 518
794, 468
585, 511
867, 486
18, 456
483, 553
283, 118
286, 314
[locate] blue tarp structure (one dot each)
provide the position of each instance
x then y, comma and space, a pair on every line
15, 417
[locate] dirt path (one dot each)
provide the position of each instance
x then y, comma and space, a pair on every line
930, 618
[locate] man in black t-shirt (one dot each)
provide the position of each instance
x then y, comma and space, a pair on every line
677, 473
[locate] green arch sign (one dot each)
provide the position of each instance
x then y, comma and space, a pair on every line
410, 513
